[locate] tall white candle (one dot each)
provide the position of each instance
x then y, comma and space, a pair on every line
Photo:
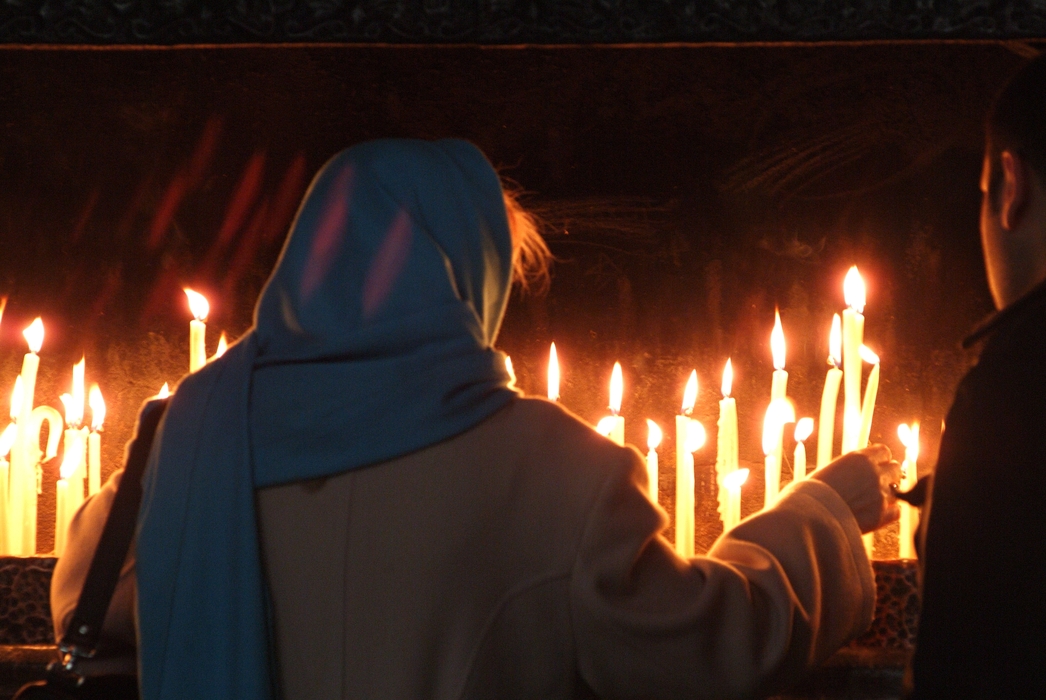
726, 461
871, 391
7, 440
553, 373
733, 482
803, 429
200, 308
652, 441
779, 387
615, 422
22, 520
778, 413
94, 442
66, 503
909, 475
685, 483
830, 395
685, 464
853, 338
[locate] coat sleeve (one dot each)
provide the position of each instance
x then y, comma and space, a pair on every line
70, 571
775, 595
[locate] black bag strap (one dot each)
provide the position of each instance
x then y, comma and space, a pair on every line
82, 635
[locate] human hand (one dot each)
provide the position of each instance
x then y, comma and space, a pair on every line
866, 479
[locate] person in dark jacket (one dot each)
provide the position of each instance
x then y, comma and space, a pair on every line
982, 632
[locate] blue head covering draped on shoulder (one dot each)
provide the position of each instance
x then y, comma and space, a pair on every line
372, 339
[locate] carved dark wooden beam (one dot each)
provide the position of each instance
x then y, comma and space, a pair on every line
173, 22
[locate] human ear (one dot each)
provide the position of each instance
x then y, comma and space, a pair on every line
1014, 195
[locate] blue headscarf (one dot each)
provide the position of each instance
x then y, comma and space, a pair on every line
372, 339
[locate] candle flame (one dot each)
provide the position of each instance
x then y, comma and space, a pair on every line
165, 391
653, 436
617, 388
7, 439
909, 436
198, 304
854, 291
70, 410
97, 404
835, 342
695, 436
868, 356
223, 345
778, 413
777, 342
804, 429
553, 374
511, 371
728, 378
735, 479
690, 393
34, 335
16, 398
605, 426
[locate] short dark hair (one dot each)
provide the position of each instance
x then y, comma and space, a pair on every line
1017, 123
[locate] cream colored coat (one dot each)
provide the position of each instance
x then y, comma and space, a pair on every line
522, 559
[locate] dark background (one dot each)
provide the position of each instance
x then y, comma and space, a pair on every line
686, 191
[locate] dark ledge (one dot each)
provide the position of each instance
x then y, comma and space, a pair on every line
870, 667
132, 22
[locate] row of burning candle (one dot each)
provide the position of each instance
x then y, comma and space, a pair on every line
847, 353
21, 475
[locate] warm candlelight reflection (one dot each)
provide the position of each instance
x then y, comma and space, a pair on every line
553, 374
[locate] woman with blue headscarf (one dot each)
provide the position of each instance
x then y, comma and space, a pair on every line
353, 501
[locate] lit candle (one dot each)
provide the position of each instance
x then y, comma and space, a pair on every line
778, 413
197, 329
66, 503
75, 451
909, 475
830, 395
871, 391
614, 424
165, 391
684, 458
653, 439
733, 482
22, 513
94, 442
553, 374
853, 338
726, 461
694, 441
223, 345
779, 387
803, 429
7, 439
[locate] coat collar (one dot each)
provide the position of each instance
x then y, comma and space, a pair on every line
1033, 299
